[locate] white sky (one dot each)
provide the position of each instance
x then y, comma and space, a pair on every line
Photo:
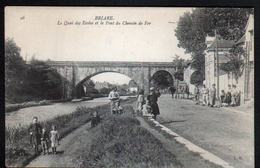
36, 32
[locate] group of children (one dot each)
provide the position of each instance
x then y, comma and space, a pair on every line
39, 136
143, 105
229, 98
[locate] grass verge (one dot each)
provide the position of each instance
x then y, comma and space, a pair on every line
18, 151
120, 141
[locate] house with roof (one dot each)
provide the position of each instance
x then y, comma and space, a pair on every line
220, 47
217, 47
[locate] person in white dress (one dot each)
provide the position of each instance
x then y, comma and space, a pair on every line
54, 139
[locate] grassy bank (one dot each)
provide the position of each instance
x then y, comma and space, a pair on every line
18, 149
120, 141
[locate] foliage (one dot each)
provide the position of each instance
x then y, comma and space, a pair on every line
193, 28
15, 69
89, 86
26, 82
196, 78
180, 64
43, 81
162, 78
104, 90
235, 65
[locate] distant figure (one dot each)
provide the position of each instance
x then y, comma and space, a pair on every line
235, 96
213, 95
223, 96
229, 96
197, 94
173, 90
117, 109
153, 97
113, 97
95, 119
146, 111
44, 141
54, 139
35, 131
140, 101
205, 93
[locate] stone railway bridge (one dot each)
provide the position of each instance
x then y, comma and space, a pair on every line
76, 73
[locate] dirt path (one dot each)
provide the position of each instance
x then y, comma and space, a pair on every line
224, 133
183, 155
68, 152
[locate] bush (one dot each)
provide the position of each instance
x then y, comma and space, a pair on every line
14, 107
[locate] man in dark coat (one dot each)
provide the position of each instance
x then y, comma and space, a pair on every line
153, 97
35, 131
172, 89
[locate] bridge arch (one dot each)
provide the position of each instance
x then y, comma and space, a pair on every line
79, 85
164, 76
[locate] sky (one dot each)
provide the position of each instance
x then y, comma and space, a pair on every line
76, 33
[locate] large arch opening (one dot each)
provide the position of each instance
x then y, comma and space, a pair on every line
162, 79
102, 83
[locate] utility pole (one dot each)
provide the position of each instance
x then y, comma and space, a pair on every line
217, 64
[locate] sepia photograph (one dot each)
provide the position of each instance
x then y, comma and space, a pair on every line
154, 87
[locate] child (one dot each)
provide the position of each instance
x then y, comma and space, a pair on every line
95, 120
146, 109
54, 139
140, 101
117, 108
35, 130
44, 141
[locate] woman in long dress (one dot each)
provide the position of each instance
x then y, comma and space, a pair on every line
153, 97
140, 101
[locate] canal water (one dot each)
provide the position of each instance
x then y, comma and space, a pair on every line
24, 116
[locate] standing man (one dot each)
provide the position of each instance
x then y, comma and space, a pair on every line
153, 97
205, 92
35, 131
172, 89
197, 94
213, 95
228, 98
234, 94
113, 97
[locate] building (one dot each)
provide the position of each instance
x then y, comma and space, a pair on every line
220, 48
188, 71
247, 42
217, 47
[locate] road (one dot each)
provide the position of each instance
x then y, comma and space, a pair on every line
24, 116
224, 133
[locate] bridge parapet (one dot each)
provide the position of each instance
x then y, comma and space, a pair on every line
110, 63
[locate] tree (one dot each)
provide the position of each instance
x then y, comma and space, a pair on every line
235, 65
193, 28
43, 81
90, 86
162, 79
180, 64
15, 68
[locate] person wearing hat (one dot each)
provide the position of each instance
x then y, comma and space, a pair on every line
153, 97
113, 97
